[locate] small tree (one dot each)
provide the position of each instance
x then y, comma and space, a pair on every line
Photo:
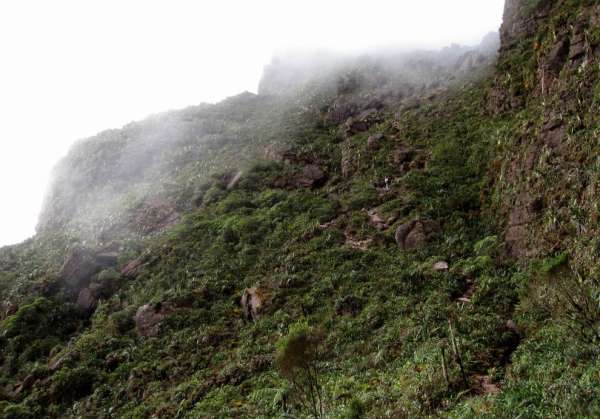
297, 361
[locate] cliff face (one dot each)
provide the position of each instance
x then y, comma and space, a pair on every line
427, 221
548, 75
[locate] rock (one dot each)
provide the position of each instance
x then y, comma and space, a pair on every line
25, 385
354, 243
553, 133
577, 49
362, 122
312, 176
556, 58
374, 141
376, 220
86, 301
525, 211
78, 268
130, 271
149, 317
340, 112
416, 233
402, 154
441, 266
107, 260
253, 301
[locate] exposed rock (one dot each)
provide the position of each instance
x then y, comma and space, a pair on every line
362, 122
553, 133
441, 266
78, 268
340, 111
25, 385
402, 154
514, 25
155, 215
130, 271
312, 176
149, 317
416, 233
86, 301
556, 58
526, 210
374, 141
354, 243
376, 220
253, 301
577, 49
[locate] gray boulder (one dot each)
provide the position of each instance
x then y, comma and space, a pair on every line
149, 317
416, 233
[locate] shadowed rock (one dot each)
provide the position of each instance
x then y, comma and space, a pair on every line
79, 267
149, 317
312, 176
416, 233
253, 301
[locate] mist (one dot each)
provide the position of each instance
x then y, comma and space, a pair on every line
72, 69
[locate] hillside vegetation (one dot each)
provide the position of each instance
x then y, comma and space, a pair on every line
403, 235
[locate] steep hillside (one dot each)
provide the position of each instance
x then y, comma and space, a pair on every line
360, 242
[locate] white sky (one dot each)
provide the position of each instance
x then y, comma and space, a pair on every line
72, 68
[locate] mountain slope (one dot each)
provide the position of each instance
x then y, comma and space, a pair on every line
439, 240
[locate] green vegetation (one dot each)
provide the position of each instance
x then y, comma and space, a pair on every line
494, 314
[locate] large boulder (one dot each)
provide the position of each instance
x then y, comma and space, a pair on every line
149, 317
86, 301
339, 112
416, 233
253, 301
78, 268
362, 122
312, 176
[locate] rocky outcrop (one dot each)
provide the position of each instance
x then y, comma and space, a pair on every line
149, 317
312, 176
253, 302
362, 122
374, 141
377, 221
340, 111
130, 271
416, 233
86, 301
80, 265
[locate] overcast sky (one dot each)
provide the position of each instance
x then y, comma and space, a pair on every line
71, 68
